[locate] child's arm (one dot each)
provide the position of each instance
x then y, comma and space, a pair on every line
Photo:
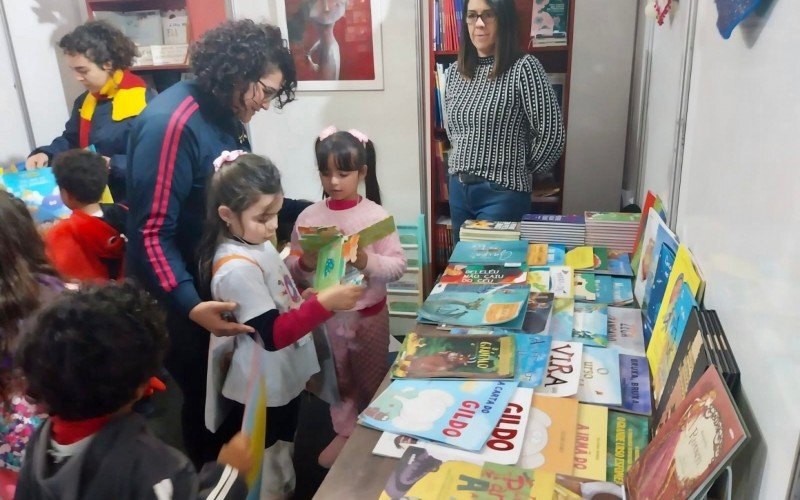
386, 261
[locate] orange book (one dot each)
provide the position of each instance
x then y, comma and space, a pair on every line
549, 443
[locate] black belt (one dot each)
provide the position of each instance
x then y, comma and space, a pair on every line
467, 178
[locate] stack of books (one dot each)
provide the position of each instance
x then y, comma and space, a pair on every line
545, 228
613, 230
484, 230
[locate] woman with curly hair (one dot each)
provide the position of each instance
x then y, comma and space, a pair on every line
241, 68
100, 57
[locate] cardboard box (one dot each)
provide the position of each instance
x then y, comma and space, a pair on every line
169, 54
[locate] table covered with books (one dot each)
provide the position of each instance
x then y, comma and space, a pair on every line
571, 361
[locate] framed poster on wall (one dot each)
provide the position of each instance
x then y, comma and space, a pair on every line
336, 44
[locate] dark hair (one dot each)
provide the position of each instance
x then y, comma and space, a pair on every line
237, 185
101, 43
91, 349
82, 173
237, 53
506, 49
349, 154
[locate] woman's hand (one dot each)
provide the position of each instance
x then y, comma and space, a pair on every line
38, 160
209, 315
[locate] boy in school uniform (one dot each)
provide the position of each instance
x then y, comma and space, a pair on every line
91, 355
89, 245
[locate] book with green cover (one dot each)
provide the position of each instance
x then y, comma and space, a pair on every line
627, 437
455, 356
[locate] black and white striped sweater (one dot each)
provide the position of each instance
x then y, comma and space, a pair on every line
505, 128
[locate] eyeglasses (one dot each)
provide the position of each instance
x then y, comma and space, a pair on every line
487, 17
269, 92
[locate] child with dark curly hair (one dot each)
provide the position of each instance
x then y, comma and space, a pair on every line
241, 68
91, 355
100, 55
89, 244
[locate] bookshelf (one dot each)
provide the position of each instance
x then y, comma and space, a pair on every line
201, 15
548, 193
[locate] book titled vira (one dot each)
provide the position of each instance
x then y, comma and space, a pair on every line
460, 414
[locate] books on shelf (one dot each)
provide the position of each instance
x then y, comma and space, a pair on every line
549, 21
484, 230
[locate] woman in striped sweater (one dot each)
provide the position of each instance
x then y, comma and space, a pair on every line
503, 120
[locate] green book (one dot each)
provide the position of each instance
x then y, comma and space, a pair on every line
456, 356
627, 437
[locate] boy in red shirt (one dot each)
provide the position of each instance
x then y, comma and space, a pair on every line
89, 245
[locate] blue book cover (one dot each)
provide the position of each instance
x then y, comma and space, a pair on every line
38, 189
476, 305
532, 353
556, 253
600, 379
504, 253
666, 259
664, 238
458, 413
619, 263
674, 324
590, 324
562, 319
635, 380
614, 291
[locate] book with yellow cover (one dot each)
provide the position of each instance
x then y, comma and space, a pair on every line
666, 334
591, 442
549, 443
580, 258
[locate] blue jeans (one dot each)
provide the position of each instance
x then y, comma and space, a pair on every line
485, 201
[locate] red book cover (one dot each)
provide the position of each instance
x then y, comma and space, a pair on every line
648, 202
694, 444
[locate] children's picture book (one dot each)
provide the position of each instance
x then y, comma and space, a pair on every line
537, 254
455, 356
504, 253
656, 233
332, 261
666, 260
476, 305
591, 442
537, 317
697, 441
457, 413
562, 282
491, 226
549, 442
683, 285
533, 351
580, 258
585, 287
664, 238
419, 474
563, 374
651, 201
562, 319
625, 332
482, 274
627, 437
635, 382
539, 279
556, 254
600, 380
590, 324
611, 262
313, 238
503, 447
614, 290
37, 188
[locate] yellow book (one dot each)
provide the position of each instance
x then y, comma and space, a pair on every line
549, 443
539, 280
663, 343
537, 254
591, 443
580, 258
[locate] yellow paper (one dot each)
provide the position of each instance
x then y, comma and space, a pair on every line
580, 258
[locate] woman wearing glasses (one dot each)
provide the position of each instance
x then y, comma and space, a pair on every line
241, 68
502, 118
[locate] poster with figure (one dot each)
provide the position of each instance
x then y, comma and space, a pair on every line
336, 44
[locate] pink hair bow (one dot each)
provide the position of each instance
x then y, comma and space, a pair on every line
331, 129
227, 157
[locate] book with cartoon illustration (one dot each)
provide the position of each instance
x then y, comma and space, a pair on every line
476, 305
614, 290
537, 317
37, 188
591, 443
656, 235
482, 274
549, 442
503, 447
590, 324
562, 319
666, 259
697, 441
419, 474
563, 373
455, 356
627, 437
457, 413
625, 332
599, 380
611, 262
533, 350
504, 253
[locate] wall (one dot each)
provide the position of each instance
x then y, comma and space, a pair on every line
14, 141
388, 116
738, 208
598, 104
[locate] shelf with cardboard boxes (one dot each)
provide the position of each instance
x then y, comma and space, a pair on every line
551, 43
162, 30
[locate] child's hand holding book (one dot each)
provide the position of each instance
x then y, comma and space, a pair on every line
340, 297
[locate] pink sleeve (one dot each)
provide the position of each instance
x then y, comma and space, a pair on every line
386, 261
